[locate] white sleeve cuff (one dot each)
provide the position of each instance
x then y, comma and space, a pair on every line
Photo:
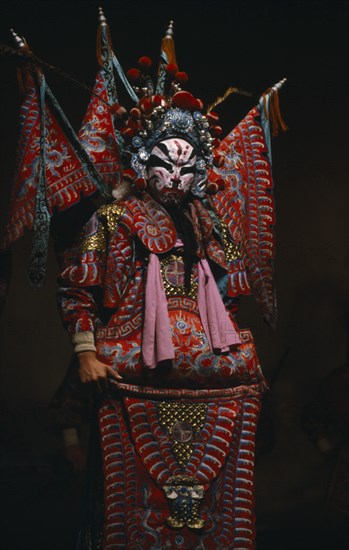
83, 341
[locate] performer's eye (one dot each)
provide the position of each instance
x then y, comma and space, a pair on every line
187, 170
156, 162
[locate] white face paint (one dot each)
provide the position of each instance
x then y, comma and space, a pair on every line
171, 170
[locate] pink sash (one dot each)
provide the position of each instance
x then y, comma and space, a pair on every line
157, 340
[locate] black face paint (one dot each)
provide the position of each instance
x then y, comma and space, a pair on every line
171, 171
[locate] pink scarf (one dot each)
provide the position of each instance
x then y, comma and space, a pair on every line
157, 340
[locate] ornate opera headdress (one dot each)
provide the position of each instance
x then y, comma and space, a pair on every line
165, 111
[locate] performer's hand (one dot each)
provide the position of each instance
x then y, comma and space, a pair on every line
92, 370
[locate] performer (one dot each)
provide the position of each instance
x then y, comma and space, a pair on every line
149, 297
144, 304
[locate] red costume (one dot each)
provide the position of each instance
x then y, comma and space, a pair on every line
186, 427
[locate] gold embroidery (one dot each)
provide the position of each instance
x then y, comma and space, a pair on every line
231, 249
183, 421
111, 213
95, 242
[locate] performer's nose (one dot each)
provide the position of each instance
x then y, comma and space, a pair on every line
175, 181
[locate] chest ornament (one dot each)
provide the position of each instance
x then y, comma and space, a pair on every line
172, 273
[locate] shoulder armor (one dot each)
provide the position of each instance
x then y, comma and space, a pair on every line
101, 226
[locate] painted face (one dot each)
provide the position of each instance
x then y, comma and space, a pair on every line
171, 170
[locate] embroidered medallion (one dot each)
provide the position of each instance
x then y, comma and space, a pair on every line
172, 271
153, 225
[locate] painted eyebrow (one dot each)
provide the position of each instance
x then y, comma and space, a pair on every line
157, 161
164, 149
187, 170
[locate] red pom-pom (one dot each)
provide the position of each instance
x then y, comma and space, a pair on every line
184, 100
216, 142
145, 62
118, 110
146, 105
127, 133
218, 160
134, 74
212, 117
181, 77
216, 130
221, 184
212, 188
129, 174
135, 113
199, 104
171, 69
134, 124
140, 184
114, 108
156, 100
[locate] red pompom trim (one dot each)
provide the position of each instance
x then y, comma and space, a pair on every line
156, 100
135, 113
199, 104
145, 62
127, 133
184, 100
140, 184
212, 117
118, 110
218, 160
134, 74
171, 69
221, 184
129, 174
212, 188
216, 130
134, 124
114, 108
181, 77
216, 142
146, 105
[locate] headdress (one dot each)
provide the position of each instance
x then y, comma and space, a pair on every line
163, 110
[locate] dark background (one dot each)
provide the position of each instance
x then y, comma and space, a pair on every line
250, 45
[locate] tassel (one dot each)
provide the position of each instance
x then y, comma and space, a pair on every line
167, 57
168, 53
168, 50
276, 120
272, 111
